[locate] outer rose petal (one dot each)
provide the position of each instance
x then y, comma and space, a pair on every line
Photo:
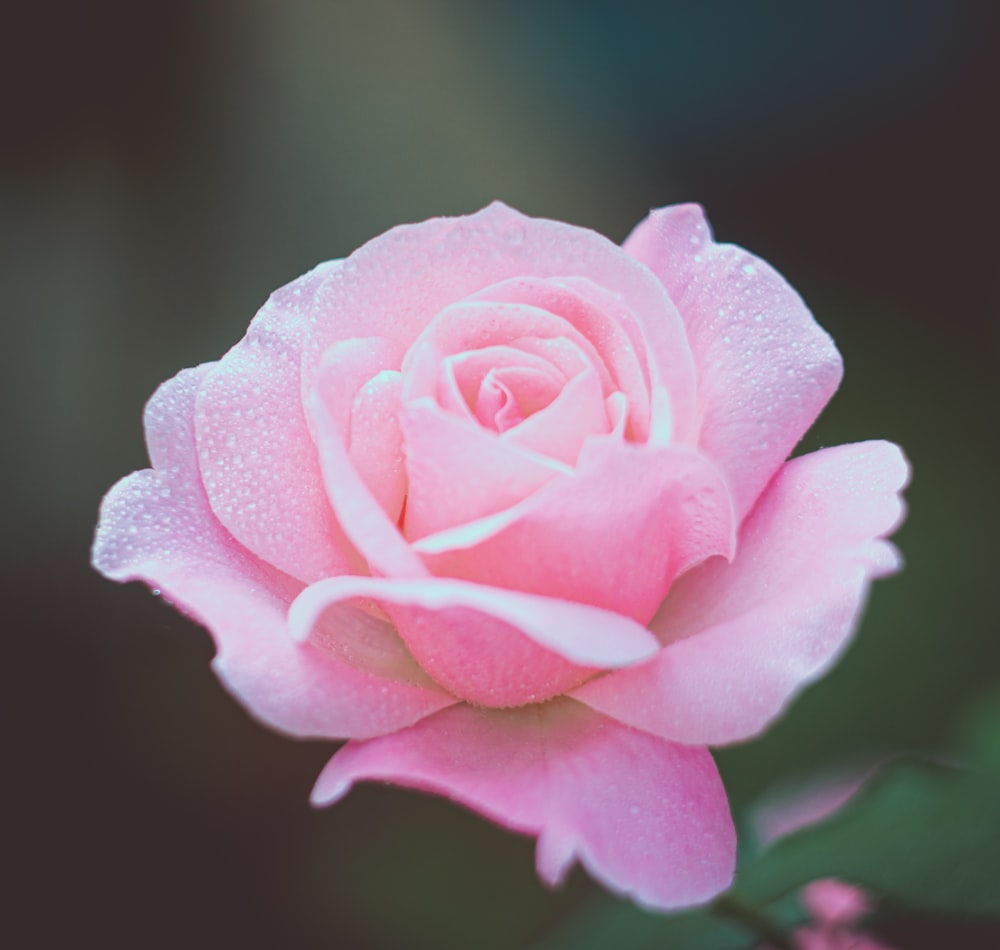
765, 367
490, 646
647, 818
743, 638
256, 456
157, 526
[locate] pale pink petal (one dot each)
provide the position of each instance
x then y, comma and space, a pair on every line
157, 526
462, 375
472, 326
376, 446
647, 818
343, 373
667, 370
765, 367
567, 386
743, 638
256, 456
489, 646
398, 282
531, 389
638, 362
560, 429
610, 331
458, 471
614, 534
565, 356
500, 402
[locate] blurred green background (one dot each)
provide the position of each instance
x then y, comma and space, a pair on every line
165, 166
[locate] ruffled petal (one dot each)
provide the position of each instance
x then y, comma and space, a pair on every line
157, 526
743, 638
255, 452
765, 367
489, 646
615, 534
647, 818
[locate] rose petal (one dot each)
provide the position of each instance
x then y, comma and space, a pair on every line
473, 326
565, 356
614, 534
601, 319
744, 637
256, 456
342, 374
489, 646
462, 375
457, 471
647, 818
376, 445
395, 285
765, 367
157, 526
560, 429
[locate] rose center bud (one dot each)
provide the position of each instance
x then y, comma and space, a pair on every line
507, 396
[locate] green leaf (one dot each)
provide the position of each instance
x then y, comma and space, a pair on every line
979, 732
921, 835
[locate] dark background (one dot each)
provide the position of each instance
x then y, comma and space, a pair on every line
165, 166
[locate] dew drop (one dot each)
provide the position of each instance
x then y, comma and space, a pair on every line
514, 235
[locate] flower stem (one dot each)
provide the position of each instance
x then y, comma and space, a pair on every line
733, 907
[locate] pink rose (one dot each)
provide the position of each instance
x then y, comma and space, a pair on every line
507, 506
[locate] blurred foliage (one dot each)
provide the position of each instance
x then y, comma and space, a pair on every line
166, 166
920, 835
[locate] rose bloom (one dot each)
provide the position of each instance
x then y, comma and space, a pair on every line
508, 506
